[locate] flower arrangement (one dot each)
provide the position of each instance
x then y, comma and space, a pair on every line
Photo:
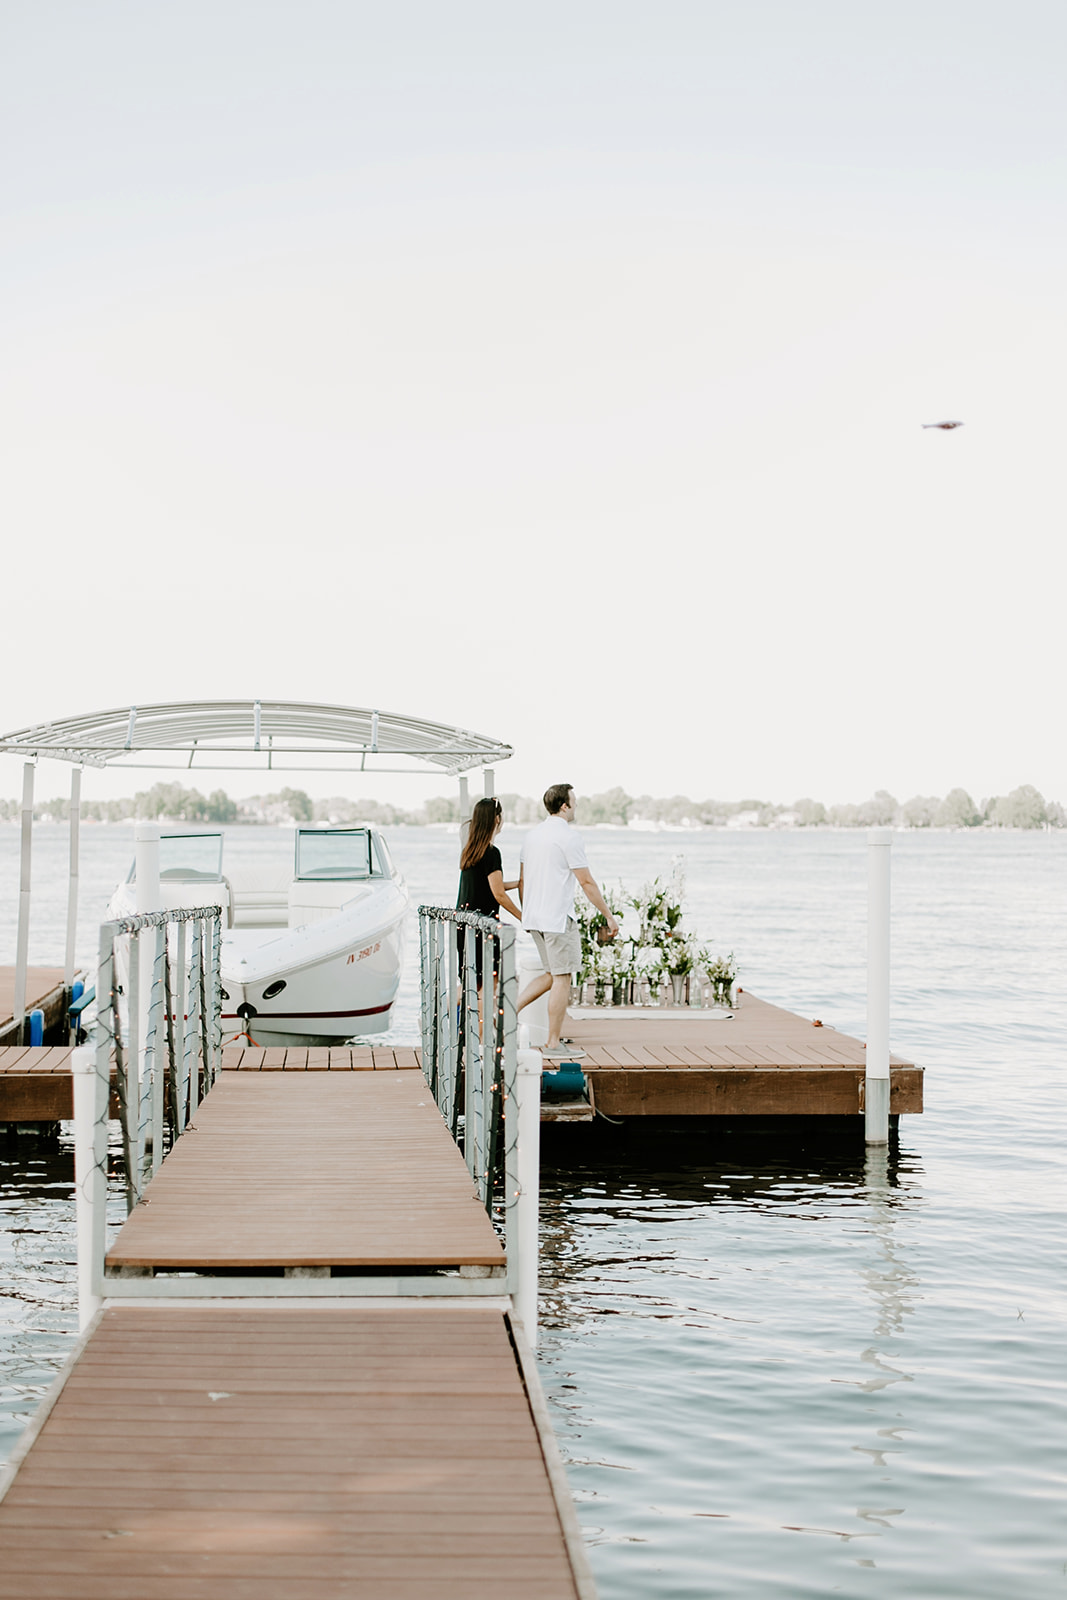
720, 972
652, 946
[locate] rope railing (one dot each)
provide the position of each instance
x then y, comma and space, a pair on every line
469, 1036
162, 1077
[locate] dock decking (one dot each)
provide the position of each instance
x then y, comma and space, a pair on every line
197, 1452
376, 1428
44, 991
762, 1061
311, 1170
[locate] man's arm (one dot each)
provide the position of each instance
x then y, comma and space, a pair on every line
519, 884
594, 896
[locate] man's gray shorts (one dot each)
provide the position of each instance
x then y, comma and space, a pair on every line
560, 952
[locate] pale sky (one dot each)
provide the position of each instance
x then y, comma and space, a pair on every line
553, 370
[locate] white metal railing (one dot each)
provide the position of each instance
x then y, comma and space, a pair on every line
499, 1099
469, 1032
167, 1052
487, 1089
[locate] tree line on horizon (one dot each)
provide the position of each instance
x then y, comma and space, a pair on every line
1024, 807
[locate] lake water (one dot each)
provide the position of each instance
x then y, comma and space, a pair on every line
776, 1371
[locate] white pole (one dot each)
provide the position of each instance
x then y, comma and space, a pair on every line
90, 1172
876, 1086
488, 783
146, 851
72, 886
22, 943
464, 800
146, 841
527, 1195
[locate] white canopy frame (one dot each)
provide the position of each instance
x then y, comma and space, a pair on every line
227, 736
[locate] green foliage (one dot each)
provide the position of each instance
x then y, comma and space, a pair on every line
177, 804
920, 811
614, 806
298, 804
957, 810
441, 810
810, 813
1022, 808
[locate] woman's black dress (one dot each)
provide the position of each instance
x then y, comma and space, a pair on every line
476, 895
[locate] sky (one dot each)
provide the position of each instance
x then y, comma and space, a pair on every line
553, 371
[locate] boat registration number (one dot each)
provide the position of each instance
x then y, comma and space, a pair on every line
360, 955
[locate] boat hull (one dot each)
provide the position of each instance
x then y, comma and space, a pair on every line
332, 980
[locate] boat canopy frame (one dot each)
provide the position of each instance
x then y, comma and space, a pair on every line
347, 738
208, 732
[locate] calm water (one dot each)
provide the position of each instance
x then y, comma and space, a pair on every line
776, 1373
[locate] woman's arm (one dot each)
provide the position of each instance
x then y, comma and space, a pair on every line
514, 885
501, 896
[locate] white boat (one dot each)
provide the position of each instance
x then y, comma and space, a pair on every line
312, 953
312, 950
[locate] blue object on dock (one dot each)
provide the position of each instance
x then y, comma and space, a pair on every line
565, 1084
77, 990
37, 1027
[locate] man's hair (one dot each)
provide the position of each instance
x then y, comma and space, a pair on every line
556, 797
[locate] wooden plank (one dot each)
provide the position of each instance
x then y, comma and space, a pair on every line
311, 1169
761, 1091
322, 1502
36, 1097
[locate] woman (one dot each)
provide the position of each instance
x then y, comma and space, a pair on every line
481, 877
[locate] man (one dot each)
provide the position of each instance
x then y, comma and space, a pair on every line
552, 858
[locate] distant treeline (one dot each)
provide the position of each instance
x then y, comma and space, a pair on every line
1022, 808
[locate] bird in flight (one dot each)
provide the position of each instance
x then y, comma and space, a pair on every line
943, 425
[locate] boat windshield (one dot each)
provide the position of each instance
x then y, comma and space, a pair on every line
190, 855
333, 853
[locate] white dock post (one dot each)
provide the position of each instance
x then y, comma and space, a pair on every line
488, 782
527, 1197
91, 1087
22, 939
876, 1084
72, 886
146, 851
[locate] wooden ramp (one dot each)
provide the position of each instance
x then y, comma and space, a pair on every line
222, 1453
311, 1169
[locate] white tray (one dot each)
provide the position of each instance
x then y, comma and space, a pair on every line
652, 1013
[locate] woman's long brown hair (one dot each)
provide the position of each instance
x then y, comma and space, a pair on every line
484, 819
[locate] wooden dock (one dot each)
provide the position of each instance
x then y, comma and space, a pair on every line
45, 991
379, 1431
210, 1451
358, 1167
761, 1061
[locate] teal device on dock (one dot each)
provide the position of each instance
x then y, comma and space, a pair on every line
565, 1084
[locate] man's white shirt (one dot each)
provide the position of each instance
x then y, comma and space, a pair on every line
550, 855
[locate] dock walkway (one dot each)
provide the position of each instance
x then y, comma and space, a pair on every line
222, 1452
312, 1170
374, 1428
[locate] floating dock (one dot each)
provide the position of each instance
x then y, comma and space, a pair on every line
760, 1061
45, 991
379, 1430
